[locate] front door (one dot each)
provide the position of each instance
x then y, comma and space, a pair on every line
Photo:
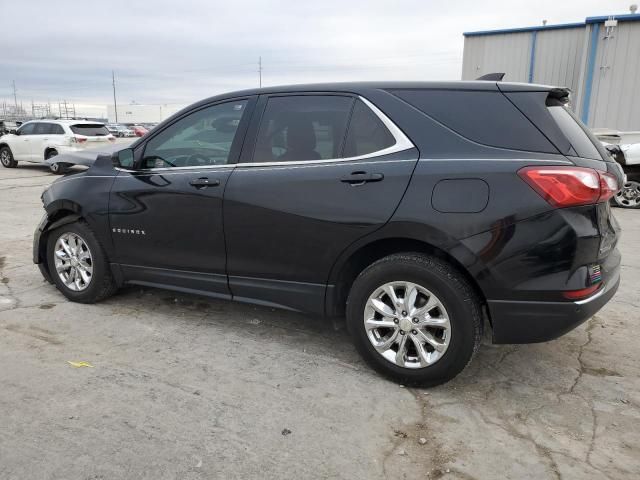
21, 145
326, 170
166, 214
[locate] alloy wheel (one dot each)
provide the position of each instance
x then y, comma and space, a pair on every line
4, 158
407, 324
73, 261
629, 196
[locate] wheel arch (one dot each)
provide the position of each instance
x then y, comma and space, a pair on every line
356, 259
49, 149
55, 218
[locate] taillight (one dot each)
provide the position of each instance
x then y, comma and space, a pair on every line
77, 139
570, 186
608, 186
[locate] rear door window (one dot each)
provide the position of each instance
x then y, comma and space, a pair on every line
485, 117
90, 130
303, 128
367, 133
575, 132
41, 128
56, 129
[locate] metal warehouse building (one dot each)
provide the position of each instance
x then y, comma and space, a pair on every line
598, 59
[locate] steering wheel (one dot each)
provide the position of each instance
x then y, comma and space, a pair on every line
197, 159
155, 159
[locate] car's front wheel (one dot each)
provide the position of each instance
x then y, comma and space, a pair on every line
414, 318
6, 158
78, 264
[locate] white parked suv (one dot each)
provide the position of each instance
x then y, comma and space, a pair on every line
39, 140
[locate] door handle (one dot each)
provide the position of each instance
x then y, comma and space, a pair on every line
204, 182
360, 178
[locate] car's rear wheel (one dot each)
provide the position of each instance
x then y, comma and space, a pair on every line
56, 168
629, 196
78, 264
414, 318
6, 158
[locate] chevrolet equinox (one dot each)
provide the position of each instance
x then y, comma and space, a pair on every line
420, 211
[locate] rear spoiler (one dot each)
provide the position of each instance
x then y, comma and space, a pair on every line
492, 77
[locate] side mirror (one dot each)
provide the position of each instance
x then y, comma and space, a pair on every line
123, 158
14, 131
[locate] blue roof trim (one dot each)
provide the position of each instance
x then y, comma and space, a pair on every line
523, 29
591, 62
629, 17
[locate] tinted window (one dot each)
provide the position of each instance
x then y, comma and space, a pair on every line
366, 133
302, 127
27, 129
575, 133
201, 138
484, 117
90, 130
41, 129
56, 129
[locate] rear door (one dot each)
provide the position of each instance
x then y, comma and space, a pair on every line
39, 140
318, 172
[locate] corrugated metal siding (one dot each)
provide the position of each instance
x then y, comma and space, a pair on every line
615, 102
558, 57
509, 53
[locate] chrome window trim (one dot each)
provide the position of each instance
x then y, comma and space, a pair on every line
402, 143
170, 169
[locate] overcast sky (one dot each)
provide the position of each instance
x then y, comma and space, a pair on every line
179, 51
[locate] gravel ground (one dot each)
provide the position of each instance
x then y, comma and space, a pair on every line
191, 388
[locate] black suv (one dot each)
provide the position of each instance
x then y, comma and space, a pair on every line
421, 211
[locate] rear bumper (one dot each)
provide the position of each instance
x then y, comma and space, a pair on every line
533, 322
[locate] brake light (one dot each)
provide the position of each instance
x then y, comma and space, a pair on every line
570, 186
608, 186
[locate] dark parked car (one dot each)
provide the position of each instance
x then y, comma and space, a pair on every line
421, 211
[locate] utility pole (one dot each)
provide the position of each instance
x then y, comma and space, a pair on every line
115, 104
260, 70
15, 97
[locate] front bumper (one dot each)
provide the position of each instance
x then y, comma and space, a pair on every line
38, 247
533, 322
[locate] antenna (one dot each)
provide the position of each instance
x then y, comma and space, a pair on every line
633, 8
260, 71
544, 22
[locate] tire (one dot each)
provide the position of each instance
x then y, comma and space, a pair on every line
6, 158
56, 168
629, 196
458, 314
101, 284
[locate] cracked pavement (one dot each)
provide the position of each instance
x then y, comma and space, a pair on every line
192, 388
